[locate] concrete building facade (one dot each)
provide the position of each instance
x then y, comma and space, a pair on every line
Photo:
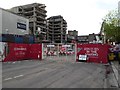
57, 27
14, 28
73, 33
36, 14
91, 38
11, 23
72, 36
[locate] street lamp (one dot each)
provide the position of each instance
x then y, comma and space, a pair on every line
39, 30
38, 33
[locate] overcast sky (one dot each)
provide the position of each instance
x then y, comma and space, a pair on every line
82, 15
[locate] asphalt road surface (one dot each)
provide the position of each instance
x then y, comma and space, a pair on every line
53, 73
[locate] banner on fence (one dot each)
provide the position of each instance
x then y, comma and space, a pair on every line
93, 52
23, 51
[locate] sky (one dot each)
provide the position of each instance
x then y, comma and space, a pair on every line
85, 16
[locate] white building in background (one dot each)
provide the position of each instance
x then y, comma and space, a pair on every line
11, 23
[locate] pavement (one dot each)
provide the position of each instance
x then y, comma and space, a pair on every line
55, 72
0, 75
116, 69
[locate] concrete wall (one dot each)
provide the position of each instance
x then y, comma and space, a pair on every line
14, 24
14, 9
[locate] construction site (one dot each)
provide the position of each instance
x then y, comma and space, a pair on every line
35, 53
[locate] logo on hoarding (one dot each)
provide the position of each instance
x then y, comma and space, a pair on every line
21, 26
15, 49
82, 57
91, 51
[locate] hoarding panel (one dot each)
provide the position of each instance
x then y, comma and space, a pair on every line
96, 52
23, 51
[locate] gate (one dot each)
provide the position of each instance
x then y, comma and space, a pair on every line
58, 51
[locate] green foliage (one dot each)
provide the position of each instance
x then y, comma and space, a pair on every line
111, 27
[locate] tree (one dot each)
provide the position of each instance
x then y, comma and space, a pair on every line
111, 27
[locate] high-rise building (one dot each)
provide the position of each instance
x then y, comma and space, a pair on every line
57, 27
36, 14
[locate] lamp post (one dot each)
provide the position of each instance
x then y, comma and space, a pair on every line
39, 32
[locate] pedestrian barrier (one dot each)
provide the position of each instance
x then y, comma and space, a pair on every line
97, 53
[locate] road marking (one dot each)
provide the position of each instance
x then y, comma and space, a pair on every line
13, 62
17, 76
13, 77
7, 79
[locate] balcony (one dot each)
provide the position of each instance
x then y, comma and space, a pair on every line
42, 27
27, 9
31, 19
41, 13
51, 24
57, 28
29, 13
51, 33
43, 32
50, 30
58, 33
51, 27
57, 39
41, 8
59, 19
64, 25
41, 23
40, 18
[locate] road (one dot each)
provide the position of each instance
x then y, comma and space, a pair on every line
50, 73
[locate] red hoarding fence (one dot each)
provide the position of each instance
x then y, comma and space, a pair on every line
97, 53
23, 51
35, 51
